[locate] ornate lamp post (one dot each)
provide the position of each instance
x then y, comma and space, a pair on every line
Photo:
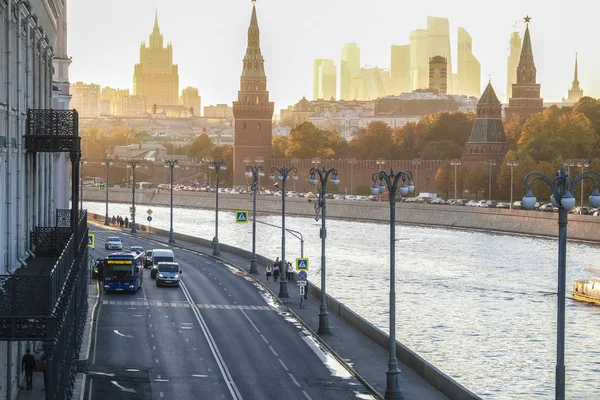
82, 161
490, 163
570, 163
456, 162
582, 163
133, 164
254, 171
352, 162
323, 175
512, 164
171, 164
561, 187
380, 162
416, 162
284, 173
315, 161
107, 162
392, 181
217, 165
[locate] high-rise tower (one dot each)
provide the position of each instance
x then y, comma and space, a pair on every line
419, 59
525, 98
253, 112
575, 93
156, 78
513, 62
438, 42
469, 68
438, 75
324, 79
349, 70
400, 70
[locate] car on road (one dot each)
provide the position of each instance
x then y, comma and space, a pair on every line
158, 256
113, 243
167, 274
137, 249
98, 268
148, 259
546, 207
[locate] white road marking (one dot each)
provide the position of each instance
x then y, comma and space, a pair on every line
306, 395
251, 323
153, 347
136, 315
294, 380
264, 338
283, 365
161, 380
120, 334
162, 394
152, 335
156, 360
187, 323
200, 376
132, 370
123, 389
186, 327
273, 350
235, 393
100, 373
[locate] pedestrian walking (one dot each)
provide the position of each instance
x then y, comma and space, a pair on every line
269, 270
114, 220
289, 272
28, 365
126, 222
276, 272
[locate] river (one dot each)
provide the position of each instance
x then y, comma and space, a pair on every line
479, 306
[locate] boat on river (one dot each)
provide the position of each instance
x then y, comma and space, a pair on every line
588, 290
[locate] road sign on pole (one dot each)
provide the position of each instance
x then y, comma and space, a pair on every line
149, 218
302, 283
301, 264
102, 187
149, 212
131, 210
241, 216
302, 275
91, 240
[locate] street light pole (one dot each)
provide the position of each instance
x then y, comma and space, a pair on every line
392, 181
323, 175
561, 187
254, 171
106, 162
456, 162
82, 161
171, 164
490, 163
217, 165
316, 161
284, 173
512, 164
133, 164
416, 162
352, 163
583, 163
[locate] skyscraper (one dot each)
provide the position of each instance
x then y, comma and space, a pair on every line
513, 62
192, 100
253, 112
324, 79
575, 93
525, 98
438, 74
419, 59
400, 71
156, 78
438, 41
469, 68
349, 69
85, 99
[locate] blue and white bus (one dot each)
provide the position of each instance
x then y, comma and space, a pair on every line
123, 272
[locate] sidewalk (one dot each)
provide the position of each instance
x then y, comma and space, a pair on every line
366, 357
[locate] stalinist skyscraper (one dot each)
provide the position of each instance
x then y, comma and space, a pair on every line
156, 78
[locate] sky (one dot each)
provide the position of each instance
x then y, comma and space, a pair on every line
209, 39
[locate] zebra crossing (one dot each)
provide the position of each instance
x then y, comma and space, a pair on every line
184, 304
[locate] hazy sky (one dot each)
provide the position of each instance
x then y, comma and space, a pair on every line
209, 39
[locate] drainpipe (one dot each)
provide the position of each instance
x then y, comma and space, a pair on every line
29, 187
8, 173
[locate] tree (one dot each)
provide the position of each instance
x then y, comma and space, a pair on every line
444, 126
373, 142
279, 145
441, 150
476, 178
444, 179
512, 130
308, 141
225, 153
405, 140
591, 109
202, 146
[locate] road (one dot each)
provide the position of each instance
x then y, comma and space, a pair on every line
218, 336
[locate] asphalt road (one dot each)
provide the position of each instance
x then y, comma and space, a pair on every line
218, 336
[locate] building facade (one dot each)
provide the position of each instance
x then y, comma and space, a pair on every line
253, 112
469, 68
219, 111
487, 140
192, 100
349, 70
115, 99
513, 62
400, 70
86, 99
438, 75
575, 93
438, 42
419, 59
324, 79
156, 78
526, 99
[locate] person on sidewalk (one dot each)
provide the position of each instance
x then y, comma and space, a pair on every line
269, 270
126, 222
276, 271
28, 365
290, 272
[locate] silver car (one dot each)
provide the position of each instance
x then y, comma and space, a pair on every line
113, 243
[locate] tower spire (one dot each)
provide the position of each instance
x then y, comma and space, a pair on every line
156, 28
253, 60
575, 77
526, 71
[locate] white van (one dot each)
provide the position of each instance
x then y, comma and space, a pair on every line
160, 255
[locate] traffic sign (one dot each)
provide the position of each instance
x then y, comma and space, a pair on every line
302, 283
241, 216
302, 275
302, 291
91, 240
149, 212
149, 218
301, 264
102, 187
131, 210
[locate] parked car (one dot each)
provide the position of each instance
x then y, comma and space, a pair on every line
113, 243
98, 268
546, 207
502, 204
147, 259
517, 205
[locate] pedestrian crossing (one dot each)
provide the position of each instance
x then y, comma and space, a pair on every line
184, 304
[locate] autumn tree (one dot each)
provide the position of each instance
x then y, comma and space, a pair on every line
279, 145
202, 146
512, 130
444, 126
445, 178
373, 142
590, 107
476, 178
405, 140
441, 150
308, 141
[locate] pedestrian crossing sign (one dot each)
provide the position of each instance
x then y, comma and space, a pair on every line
91, 240
102, 187
241, 217
301, 264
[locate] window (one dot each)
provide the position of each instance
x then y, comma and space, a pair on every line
244, 125
258, 126
257, 99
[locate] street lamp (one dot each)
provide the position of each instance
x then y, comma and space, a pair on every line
570, 163
133, 164
316, 161
455, 162
352, 162
323, 175
217, 165
284, 173
490, 163
83, 160
392, 180
512, 164
171, 164
107, 162
416, 162
583, 163
561, 187
380, 162
254, 171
